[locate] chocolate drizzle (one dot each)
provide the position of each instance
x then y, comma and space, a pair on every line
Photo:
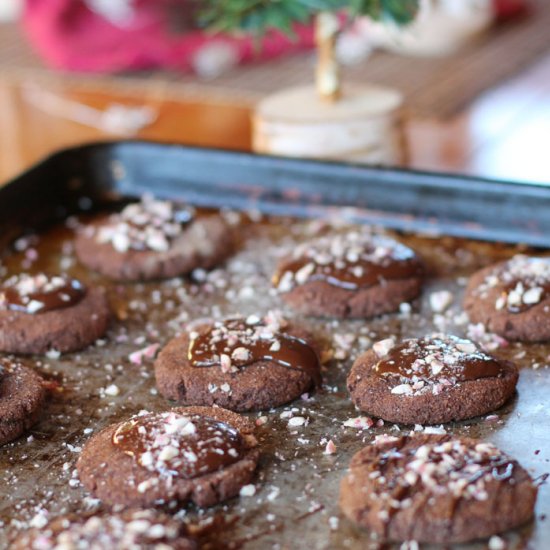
177, 445
437, 358
235, 344
365, 261
40, 294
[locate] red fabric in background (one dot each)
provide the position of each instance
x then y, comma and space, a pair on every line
506, 9
68, 35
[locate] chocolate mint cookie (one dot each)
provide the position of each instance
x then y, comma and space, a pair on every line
357, 274
512, 298
199, 454
431, 380
240, 364
40, 312
152, 240
434, 488
22, 396
129, 530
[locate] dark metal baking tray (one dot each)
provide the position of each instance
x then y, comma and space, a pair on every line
297, 485
401, 199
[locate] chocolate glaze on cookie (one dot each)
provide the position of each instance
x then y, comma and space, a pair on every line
350, 261
199, 454
431, 380
40, 312
153, 239
239, 364
512, 298
339, 275
237, 343
22, 397
40, 293
128, 530
203, 445
443, 356
435, 488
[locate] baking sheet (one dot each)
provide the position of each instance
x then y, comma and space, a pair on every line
396, 198
297, 484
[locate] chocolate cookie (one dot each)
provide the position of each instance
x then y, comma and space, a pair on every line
240, 364
199, 454
22, 396
129, 530
512, 298
153, 240
358, 274
436, 379
435, 488
39, 313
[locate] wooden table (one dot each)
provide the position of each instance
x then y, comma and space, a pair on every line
504, 134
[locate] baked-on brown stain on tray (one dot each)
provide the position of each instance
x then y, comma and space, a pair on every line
297, 484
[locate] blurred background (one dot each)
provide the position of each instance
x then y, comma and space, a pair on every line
472, 78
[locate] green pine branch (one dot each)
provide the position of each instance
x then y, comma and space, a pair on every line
258, 16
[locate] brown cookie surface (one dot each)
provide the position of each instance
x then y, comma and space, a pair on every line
435, 488
153, 240
128, 530
358, 274
22, 395
39, 313
198, 454
432, 380
239, 364
512, 298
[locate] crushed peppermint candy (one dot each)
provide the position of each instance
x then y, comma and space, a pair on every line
113, 390
349, 260
297, 421
488, 341
132, 529
147, 225
383, 347
148, 352
441, 300
455, 467
496, 543
359, 423
247, 491
522, 282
